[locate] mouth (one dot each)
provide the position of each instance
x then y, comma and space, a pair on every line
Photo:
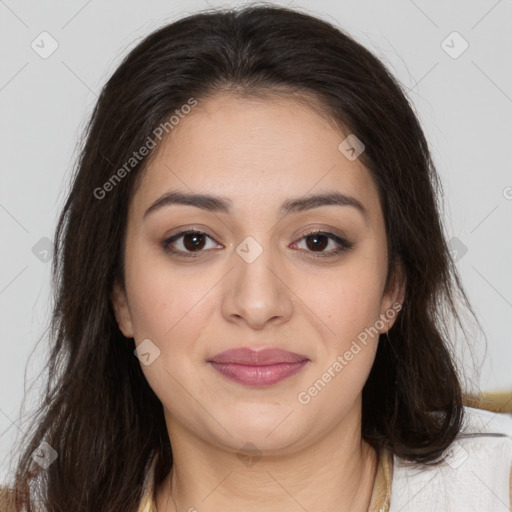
258, 368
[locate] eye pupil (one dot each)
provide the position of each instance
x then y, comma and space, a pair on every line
316, 243
197, 243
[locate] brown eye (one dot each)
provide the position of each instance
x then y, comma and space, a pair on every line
193, 241
318, 241
187, 243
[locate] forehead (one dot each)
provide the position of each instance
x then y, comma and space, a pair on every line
246, 148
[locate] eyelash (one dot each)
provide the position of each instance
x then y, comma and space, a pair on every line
344, 245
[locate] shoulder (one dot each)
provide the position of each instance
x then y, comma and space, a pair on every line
474, 474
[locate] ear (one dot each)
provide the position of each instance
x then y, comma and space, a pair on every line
121, 310
393, 298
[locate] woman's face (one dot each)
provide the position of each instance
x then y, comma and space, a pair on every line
254, 277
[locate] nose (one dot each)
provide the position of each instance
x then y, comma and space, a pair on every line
256, 291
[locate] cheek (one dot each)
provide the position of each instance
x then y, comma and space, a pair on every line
347, 301
161, 299
350, 308
172, 322
171, 310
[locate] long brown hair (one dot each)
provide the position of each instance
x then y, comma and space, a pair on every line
99, 413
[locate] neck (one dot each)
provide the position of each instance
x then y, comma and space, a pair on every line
336, 474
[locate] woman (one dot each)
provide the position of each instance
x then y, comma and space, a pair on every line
254, 206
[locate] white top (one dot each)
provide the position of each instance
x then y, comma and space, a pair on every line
474, 477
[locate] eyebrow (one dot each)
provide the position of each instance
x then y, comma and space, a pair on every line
223, 204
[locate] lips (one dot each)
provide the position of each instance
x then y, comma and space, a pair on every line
266, 356
258, 368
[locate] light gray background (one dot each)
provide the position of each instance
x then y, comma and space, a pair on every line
464, 104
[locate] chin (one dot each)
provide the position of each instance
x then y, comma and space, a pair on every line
276, 432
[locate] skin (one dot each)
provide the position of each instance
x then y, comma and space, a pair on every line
258, 153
